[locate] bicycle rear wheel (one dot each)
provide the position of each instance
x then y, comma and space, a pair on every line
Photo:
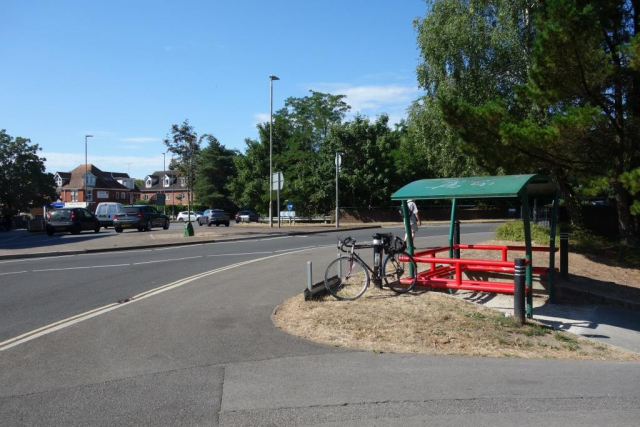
400, 272
346, 278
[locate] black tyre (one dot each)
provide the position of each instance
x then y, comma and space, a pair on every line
166, 224
400, 272
181, 220
148, 225
226, 224
118, 229
97, 229
209, 224
217, 224
199, 223
346, 279
76, 229
50, 232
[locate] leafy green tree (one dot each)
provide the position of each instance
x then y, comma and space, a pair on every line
23, 180
368, 174
584, 88
249, 188
474, 51
183, 142
215, 168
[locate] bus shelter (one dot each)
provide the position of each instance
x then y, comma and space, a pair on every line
520, 187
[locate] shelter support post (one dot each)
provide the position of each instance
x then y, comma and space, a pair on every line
456, 238
552, 247
407, 227
519, 290
451, 227
564, 253
527, 240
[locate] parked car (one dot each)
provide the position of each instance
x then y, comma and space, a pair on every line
184, 216
202, 219
247, 215
142, 217
217, 217
106, 211
73, 220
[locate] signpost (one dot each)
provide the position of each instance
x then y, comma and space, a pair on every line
277, 180
338, 164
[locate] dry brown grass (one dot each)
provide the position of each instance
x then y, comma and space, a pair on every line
431, 323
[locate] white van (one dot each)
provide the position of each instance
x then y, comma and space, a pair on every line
106, 211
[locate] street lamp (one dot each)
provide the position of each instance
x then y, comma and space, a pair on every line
338, 163
86, 168
271, 79
164, 173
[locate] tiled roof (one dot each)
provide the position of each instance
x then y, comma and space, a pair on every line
103, 179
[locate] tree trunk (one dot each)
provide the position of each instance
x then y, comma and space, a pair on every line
573, 205
626, 225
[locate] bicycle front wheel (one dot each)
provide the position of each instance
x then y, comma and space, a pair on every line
346, 278
400, 272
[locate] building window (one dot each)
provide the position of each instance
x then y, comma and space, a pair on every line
89, 197
59, 182
148, 183
167, 182
123, 196
183, 181
91, 180
74, 195
145, 197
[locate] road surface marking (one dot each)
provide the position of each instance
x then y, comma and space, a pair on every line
244, 253
165, 260
13, 272
79, 268
61, 324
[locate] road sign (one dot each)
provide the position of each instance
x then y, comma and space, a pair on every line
274, 181
338, 160
289, 206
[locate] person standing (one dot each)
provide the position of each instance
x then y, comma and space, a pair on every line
414, 219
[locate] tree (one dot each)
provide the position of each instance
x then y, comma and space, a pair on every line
585, 91
474, 51
214, 169
249, 188
183, 141
23, 180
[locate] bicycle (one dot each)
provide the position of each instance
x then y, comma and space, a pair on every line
347, 277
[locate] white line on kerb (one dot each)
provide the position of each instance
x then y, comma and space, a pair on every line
13, 272
45, 330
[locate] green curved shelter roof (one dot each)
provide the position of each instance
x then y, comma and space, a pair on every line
481, 187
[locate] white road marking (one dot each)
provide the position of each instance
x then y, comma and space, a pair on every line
80, 268
274, 238
13, 272
45, 330
165, 260
245, 253
305, 247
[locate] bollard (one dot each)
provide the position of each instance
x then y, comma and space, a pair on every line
564, 254
378, 247
309, 276
456, 239
519, 290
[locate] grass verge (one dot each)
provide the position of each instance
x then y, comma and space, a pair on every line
431, 323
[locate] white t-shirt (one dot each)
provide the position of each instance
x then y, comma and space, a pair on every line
413, 210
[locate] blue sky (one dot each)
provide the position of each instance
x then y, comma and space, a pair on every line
125, 71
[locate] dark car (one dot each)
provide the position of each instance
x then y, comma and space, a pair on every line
215, 216
247, 215
142, 217
73, 220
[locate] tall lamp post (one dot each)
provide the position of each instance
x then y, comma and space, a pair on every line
188, 228
164, 173
86, 168
271, 79
338, 163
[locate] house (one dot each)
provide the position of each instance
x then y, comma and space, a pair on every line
101, 186
169, 183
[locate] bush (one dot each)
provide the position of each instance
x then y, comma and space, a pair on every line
514, 231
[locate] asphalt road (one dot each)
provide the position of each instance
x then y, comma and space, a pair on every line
204, 352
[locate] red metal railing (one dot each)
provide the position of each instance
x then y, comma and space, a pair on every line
446, 273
